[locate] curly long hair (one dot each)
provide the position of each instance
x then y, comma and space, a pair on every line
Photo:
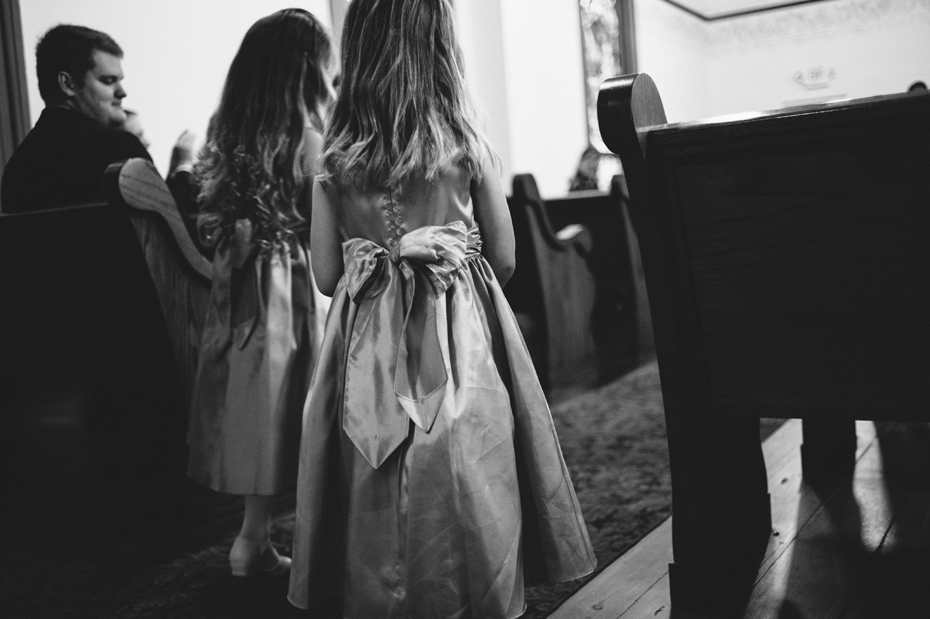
255, 162
403, 108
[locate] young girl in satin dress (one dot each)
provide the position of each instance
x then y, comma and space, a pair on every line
431, 482
260, 337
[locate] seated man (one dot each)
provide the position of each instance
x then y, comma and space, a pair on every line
62, 160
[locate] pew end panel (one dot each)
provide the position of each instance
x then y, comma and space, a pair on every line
552, 291
787, 264
622, 322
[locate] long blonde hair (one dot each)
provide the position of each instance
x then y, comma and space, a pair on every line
255, 162
403, 108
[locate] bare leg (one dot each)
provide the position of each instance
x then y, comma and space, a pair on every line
252, 551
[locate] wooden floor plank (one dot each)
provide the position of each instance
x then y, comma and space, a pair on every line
898, 580
824, 560
653, 604
624, 581
825, 546
636, 584
897, 583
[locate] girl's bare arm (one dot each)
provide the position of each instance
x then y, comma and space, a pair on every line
325, 246
493, 217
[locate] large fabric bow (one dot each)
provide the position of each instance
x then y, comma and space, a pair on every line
395, 339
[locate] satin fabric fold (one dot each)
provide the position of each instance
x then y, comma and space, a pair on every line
396, 294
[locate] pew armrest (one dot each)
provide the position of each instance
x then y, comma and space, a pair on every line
576, 237
576, 234
138, 184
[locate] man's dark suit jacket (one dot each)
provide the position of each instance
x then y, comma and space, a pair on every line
62, 161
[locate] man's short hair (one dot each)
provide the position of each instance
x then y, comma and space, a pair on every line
69, 48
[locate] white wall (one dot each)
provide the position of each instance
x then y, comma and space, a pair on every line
821, 51
481, 38
545, 90
524, 66
671, 47
842, 48
176, 53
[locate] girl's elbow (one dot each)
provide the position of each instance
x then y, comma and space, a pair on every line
325, 281
503, 270
327, 284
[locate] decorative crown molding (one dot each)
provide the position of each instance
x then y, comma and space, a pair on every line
702, 9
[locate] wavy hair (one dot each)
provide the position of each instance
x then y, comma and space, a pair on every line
403, 108
255, 162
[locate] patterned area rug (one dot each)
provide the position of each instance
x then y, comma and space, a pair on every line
613, 440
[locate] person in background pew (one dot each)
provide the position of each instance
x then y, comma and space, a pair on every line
134, 126
431, 481
61, 161
585, 178
184, 187
595, 169
181, 167
261, 335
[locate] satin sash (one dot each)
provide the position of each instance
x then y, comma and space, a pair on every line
395, 340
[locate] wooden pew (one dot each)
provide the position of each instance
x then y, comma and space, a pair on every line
787, 260
578, 290
90, 402
622, 323
76, 295
107, 301
552, 290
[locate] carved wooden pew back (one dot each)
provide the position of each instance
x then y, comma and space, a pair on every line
622, 323
577, 290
